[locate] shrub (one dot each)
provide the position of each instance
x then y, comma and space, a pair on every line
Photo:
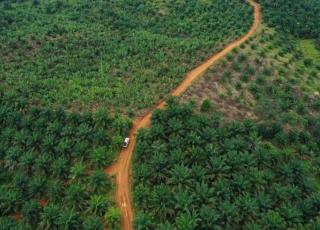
92, 223
267, 72
245, 77
238, 85
242, 58
7, 223
269, 130
282, 138
316, 104
254, 89
260, 80
30, 211
113, 218
229, 56
236, 66
206, 106
35, 2
308, 62
250, 70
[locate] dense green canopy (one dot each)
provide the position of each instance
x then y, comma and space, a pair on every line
299, 17
51, 165
193, 172
83, 54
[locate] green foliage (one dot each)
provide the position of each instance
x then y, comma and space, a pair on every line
194, 172
69, 219
123, 54
98, 204
309, 49
206, 105
49, 216
45, 156
93, 223
279, 88
113, 218
299, 17
269, 130
30, 211
7, 223
99, 182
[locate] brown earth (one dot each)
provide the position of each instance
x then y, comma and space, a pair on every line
121, 169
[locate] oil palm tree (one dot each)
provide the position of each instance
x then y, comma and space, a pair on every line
30, 211
77, 171
10, 199
59, 168
49, 217
92, 223
75, 196
143, 221
161, 202
55, 189
98, 204
113, 218
204, 194
165, 226
26, 161
209, 218
187, 221
183, 200
69, 219
99, 182
179, 175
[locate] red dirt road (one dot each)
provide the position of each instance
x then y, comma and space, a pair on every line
121, 169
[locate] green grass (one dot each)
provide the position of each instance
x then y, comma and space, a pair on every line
309, 49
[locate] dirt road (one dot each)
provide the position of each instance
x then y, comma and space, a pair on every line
122, 167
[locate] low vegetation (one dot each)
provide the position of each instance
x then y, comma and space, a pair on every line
51, 166
272, 77
310, 49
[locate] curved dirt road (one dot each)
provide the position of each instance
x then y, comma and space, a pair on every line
121, 169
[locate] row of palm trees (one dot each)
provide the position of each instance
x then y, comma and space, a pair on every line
187, 177
52, 165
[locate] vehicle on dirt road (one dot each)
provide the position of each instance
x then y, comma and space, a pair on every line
126, 142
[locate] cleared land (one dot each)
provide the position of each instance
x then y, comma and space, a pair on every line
273, 76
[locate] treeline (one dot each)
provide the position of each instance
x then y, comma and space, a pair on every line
51, 166
192, 172
299, 17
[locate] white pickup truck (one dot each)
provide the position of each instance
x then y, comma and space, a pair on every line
126, 142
